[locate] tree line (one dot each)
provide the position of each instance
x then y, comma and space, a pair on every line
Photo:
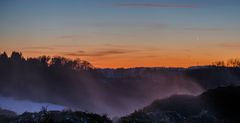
16, 58
230, 63
43, 78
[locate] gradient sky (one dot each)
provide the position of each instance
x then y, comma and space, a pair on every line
123, 33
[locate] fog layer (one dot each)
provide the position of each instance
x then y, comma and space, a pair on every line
76, 84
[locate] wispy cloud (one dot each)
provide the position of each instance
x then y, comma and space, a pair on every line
67, 36
204, 29
230, 45
100, 52
65, 45
38, 48
154, 5
135, 24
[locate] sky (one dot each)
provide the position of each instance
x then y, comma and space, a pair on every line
123, 33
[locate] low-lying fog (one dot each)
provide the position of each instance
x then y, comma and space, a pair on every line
111, 96
21, 106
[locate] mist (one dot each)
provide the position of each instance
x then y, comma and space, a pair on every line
112, 96
77, 85
21, 106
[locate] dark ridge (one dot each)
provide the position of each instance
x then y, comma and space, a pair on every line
224, 102
8, 113
219, 105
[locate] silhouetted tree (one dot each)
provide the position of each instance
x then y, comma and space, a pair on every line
16, 57
219, 63
84, 65
233, 63
3, 57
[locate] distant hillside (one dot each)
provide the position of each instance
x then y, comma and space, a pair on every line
5, 115
210, 77
4, 112
220, 105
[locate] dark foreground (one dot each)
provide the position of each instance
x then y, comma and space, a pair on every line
45, 116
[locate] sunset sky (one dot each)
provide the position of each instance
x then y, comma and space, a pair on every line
123, 33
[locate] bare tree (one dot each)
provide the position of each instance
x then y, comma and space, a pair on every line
233, 63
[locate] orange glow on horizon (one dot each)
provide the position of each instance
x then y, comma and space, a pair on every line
131, 61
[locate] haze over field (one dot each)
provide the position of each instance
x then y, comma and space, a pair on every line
21, 106
77, 84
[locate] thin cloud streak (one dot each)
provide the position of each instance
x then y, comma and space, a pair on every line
154, 5
101, 52
68, 37
204, 29
225, 45
38, 48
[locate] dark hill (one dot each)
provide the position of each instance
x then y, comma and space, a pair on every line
220, 105
4, 112
224, 102
184, 104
